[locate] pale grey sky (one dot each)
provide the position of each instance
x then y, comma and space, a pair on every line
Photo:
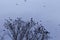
46, 10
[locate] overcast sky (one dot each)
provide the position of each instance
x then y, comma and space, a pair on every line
46, 10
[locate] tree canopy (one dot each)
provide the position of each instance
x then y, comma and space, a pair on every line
25, 30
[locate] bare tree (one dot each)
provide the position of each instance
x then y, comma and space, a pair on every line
25, 30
